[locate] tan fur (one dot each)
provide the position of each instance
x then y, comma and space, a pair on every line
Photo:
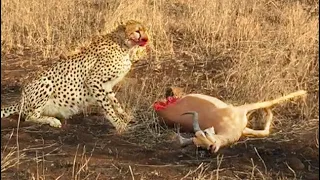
227, 121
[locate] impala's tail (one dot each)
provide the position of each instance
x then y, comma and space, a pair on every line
266, 104
7, 111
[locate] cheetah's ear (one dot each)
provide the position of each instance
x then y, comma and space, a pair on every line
131, 21
118, 23
125, 22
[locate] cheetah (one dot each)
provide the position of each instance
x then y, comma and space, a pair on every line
82, 79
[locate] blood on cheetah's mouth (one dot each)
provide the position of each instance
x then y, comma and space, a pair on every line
143, 42
140, 42
160, 105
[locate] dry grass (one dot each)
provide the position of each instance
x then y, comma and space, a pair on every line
239, 51
9, 156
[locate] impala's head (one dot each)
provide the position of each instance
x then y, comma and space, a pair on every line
174, 92
136, 34
203, 138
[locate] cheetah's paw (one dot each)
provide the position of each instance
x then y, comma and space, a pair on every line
127, 118
53, 122
120, 110
121, 128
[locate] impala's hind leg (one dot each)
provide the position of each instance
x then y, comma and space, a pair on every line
260, 133
268, 104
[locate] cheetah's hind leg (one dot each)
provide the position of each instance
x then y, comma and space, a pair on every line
38, 118
35, 96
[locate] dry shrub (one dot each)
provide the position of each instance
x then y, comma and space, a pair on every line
239, 51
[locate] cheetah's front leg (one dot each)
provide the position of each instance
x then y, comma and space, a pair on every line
115, 103
110, 114
101, 97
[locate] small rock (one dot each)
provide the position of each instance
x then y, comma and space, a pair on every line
295, 163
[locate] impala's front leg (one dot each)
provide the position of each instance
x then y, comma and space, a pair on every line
183, 141
205, 139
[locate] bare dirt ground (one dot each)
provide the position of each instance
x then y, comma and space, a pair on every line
87, 148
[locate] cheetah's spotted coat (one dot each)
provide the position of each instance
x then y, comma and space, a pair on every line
85, 78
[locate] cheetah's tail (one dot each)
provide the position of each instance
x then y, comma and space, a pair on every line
7, 111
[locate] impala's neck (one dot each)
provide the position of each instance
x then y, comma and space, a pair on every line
160, 105
223, 140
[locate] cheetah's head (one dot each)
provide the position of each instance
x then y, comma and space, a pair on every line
136, 34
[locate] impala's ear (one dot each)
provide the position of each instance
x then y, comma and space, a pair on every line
169, 92
174, 91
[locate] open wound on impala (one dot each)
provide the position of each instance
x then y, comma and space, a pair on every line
160, 105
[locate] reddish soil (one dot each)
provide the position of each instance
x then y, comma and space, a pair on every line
49, 153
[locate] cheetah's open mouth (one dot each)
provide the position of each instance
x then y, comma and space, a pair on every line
140, 41
143, 42
160, 105
143, 39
